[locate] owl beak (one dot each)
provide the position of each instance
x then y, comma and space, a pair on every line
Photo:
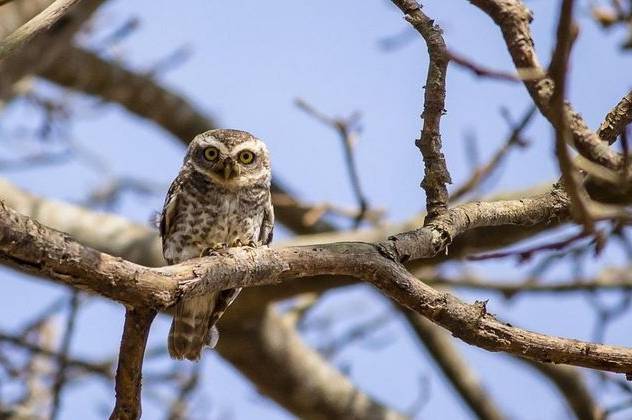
230, 169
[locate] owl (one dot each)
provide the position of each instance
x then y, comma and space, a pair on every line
220, 198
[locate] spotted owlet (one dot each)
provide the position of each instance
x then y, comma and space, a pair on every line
220, 198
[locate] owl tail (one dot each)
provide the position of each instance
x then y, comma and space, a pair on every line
190, 329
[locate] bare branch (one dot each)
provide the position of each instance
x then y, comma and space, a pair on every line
513, 18
45, 45
436, 174
178, 410
617, 120
85, 71
86, 366
558, 70
60, 377
129, 371
40, 23
348, 135
29, 246
611, 279
18, 13
481, 71
482, 173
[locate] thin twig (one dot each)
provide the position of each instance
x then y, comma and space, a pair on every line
619, 279
345, 127
62, 359
483, 172
526, 254
178, 409
101, 369
43, 316
481, 71
558, 71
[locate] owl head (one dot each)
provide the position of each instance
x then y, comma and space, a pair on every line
230, 158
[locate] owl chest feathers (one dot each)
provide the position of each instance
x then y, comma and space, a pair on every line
207, 214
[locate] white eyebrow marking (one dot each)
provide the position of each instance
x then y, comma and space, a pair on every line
212, 141
254, 145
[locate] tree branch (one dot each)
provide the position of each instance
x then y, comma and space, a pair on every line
32, 247
103, 370
483, 172
436, 174
558, 71
18, 13
514, 18
45, 45
617, 120
129, 371
40, 23
612, 279
348, 136
62, 359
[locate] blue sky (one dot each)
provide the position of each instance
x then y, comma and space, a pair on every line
249, 61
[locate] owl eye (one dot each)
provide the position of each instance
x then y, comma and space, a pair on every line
211, 153
246, 157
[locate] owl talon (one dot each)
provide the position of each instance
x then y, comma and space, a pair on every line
252, 244
214, 250
237, 243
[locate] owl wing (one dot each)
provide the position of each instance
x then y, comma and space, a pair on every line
267, 226
168, 214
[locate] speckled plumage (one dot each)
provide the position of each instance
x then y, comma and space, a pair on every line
206, 207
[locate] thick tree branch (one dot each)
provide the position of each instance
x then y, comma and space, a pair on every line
44, 47
130, 365
18, 13
22, 36
22, 242
436, 174
141, 245
438, 235
140, 94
